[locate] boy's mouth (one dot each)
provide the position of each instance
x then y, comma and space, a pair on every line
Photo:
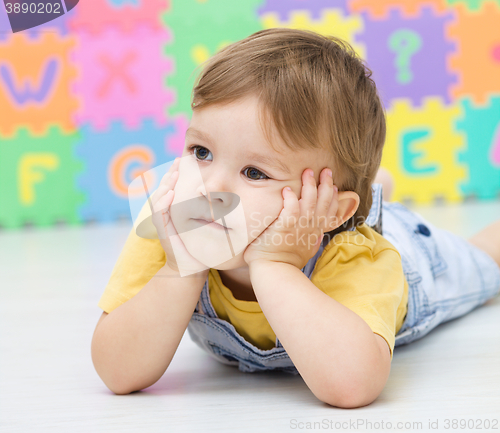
211, 223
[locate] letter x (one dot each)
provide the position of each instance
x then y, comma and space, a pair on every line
117, 70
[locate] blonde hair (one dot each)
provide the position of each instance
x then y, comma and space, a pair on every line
317, 93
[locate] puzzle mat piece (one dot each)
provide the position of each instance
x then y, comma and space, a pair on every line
472, 5
477, 58
5, 28
421, 151
175, 147
481, 127
315, 7
35, 77
177, 140
96, 15
115, 157
216, 12
37, 179
58, 25
195, 41
121, 77
332, 22
378, 9
495, 153
400, 52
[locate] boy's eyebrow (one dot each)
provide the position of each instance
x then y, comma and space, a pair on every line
268, 160
202, 135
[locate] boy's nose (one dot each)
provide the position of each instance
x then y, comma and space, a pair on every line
223, 203
220, 197
214, 195
216, 187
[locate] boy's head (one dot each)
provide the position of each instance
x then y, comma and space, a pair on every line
298, 97
315, 92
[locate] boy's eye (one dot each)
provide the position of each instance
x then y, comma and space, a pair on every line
197, 152
201, 154
254, 170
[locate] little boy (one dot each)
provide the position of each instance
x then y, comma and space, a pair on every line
286, 108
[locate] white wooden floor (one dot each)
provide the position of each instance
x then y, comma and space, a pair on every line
51, 281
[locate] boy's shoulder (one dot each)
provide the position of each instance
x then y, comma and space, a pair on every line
358, 242
361, 255
362, 235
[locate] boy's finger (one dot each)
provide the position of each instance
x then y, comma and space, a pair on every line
161, 212
173, 168
325, 192
291, 209
158, 194
163, 204
164, 188
309, 194
171, 231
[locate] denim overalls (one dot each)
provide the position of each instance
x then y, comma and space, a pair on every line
439, 290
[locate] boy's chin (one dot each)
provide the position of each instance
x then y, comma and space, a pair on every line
215, 254
212, 249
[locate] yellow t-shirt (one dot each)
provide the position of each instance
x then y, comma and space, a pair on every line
360, 269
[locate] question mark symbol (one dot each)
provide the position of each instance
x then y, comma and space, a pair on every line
404, 43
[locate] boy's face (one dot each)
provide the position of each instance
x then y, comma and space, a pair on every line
229, 163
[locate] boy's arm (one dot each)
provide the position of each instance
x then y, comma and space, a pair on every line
134, 344
334, 350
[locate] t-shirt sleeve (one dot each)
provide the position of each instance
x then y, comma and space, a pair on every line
138, 262
371, 285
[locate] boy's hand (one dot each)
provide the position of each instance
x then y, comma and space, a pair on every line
295, 236
182, 261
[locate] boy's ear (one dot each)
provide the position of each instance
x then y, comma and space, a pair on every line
348, 205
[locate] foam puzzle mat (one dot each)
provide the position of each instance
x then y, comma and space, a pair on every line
93, 99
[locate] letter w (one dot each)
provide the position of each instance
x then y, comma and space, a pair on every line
20, 96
